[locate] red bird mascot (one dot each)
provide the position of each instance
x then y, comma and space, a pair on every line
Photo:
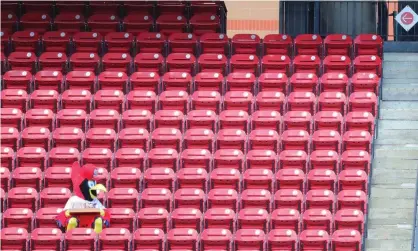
83, 209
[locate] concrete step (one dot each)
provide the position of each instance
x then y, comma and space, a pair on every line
400, 92
384, 216
400, 57
397, 232
387, 163
393, 191
393, 177
394, 151
397, 125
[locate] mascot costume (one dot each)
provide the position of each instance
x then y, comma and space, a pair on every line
83, 209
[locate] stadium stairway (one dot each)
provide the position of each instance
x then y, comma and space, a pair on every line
391, 217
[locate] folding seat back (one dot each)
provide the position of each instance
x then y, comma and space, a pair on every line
276, 64
363, 121
27, 177
223, 198
232, 139
9, 139
192, 178
357, 140
218, 218
25, 41
8, 20
177, 81
101, 138
367, 64
182, 239
84, 61
23, 197
112, 80
68, 137
125, 177
277, 82
45, 217
181, 62
109, 99
201, 119
365, 82
49, 80
58, 176
159, 177
307, 64
2, 198
245, 44
244, 63
171, 23
141, 101
136, 24
11, 117
225, 178
53, 61
46, 238
253, 218
174, 100
270, 101
308, 44
289, 199
182, 43
14, 238
337, 64
23, 61
320, 199
153, 218
290, 178
122, 218
104, 118
18, 217
297, 120
119, 42
196, 158
11, 98
344, 239
326, 140
69, 22
130, 158
4, 178
239, 101
187, 218
332, 101
296, 140
293, 159
240, 81
278, 44
199, 139
166, 137
319, 179
103, 23
148, 238
262, 139
31, 157
338, 44
266, 120
304, 82
114, 239
363, 102
40, 117
216, 239
208, 81
80, 80
234, 119
256, 198
123, 198
206, 100
202, 23
87, 42
282, 239
163, 158
353, 180
302, 101
327, 120
324, 159
214, 43
314, 240
261, 159
17, 79
212, 62
100, 157
36, 21
334, 82
249, 239
284, 219
355, 160
351, 199
156, 197
258, 178
80, 238
368, 44
229, 158
151, 42
54, 197
43, 99
349, 219
133, 138
117, 62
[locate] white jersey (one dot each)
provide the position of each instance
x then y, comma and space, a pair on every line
76, 202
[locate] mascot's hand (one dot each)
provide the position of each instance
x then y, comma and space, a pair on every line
67, 213
102, 212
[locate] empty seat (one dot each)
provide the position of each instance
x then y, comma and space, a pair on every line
27, 177
100, 157
355, 160
350, 199
253, 218
285, 218
293, 159
212, 63
9, 139
4, 178
43, 99
45, 217
324, 159
22, 61
163, 157
277, 82
159, 177
334, 82
368, 44
54, 197
218, 218
297, 120
138, 23
278, 44
261, 159
258, 178
167, 137
119, 41
357, 140
232, 139
363, 121
216, 239
304, 82
12, 98
363, 102
276, 64
25, 41
196, 158
36, 21
199, 139
117, 62
320, 199
223, 198
214, 43
112, 80
80, 80
46, 238
114, 239
262, 139
18, 217
182, 239
181, 63
326, 140
289, 199
152, 218
195, 178
133, 138
171, 23
337, 64
79, 238
71, 22
40, 117
234, 119
151, 42
8, 19
201, 119
22, 197
132, 158
206, 100
256, 198
87, 42
319, 179
35, 136
353, 180
17, 80
53, 61
314, 240
365, 82
332, 101
240, 81
121, 197
367, 64
208, 81
68, 137
229, 158
122, 218
101, 138
290, 178
267, 120
31, 157
348, 219
148, 238
104, 118
156, 197
282, 239
58, 176
296, 140
244, 63
343, 239
338, 44
202, 23
238, 101
103, 23
174, 100
177, 81
245, 44
14, 238
302, 101
225, 178
109, 99
182, 43
308, 44
186, 218
270, 101
84, 61
327, 120
307, 64
249, 239
141, 101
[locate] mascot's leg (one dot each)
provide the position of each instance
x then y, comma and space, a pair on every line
98, 225
72, 223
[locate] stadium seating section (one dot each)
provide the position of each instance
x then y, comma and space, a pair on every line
203, 141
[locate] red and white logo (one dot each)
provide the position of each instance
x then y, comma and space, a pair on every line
407, 18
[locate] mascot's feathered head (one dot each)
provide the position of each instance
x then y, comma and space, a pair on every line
84, 185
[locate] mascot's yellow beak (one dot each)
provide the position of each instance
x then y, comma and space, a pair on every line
94, 191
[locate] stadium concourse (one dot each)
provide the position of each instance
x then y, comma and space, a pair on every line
204, 141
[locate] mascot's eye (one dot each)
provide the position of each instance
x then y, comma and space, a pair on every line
91, 183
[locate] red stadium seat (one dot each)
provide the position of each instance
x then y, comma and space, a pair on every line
22, 197
255, 198
350, 199
4, 178
225, 178
36, 21
57, 41
195, 178
258, 178
156, 197
80, 238
334, 82
23, 61
314, 240
149, 239
363, 121
111, 80
216, 239
238, 101
11, 117
206, 100
249, 239
46, 238
284, 219
123, 198
326, 140
320, 199
228, 158
365, 82
244, 64
137, 119
153, 218
293, 159
2, 198
343, 239
43, 99
368, 44
357, 140
19, 218
182, 43
87, 42
218, 218
182, 239
130, 158
17, 79
159, 177
302, 101
203, 23
207, 81
222, 198
103, 23
214, 43
328, 120
212, 63
109, 99
31, 157
355, 160
101, 138
199, 139
332, 101
325, 160
264, 140
122, 218
25, 41
45, 217
120, 42
296, 140
283, 239
363, 102
196, 158
349, 219
307, 64
267, 120
353, 180
288, 199
163, 157
151, 42
117, 62
261, 159
304, 82
68, 137
40, 117
253, 218
174, 100
245, 44
167, 137
308, 44
234, 119
53, 61
181, 63
71, 22
277, 82
177, 81
201, 119
100, 157
8, 20
104, 118
240, 81
145, 81
278, 44
231, 139
270, 101
138, 22
290, 178
114, 239
171, 23
297, 120
84, 61
133, 138
12, 98
54, 197
276, 64
337, 64
14, 238
319, 179
141, 99
58, 176
9, 139
365, 64
189, 198
338, 44
35, 136
80, 80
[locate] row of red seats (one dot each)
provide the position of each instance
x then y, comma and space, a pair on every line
181, 239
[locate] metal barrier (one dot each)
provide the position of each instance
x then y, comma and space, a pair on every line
348, 17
